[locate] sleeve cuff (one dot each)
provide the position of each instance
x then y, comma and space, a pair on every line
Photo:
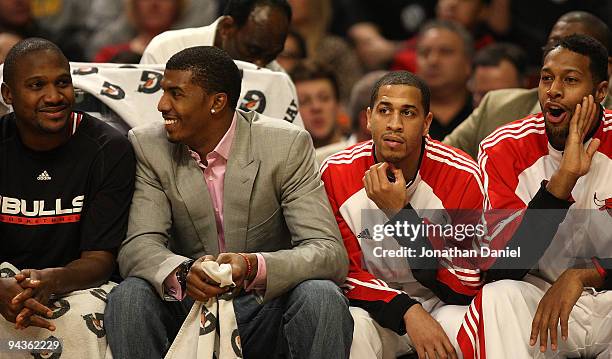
545, 200
172, 288
390, 314
604, 267
259, 282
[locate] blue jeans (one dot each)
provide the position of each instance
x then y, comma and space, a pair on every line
310, 321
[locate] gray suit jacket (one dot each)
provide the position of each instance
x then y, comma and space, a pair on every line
274, 202
497, 108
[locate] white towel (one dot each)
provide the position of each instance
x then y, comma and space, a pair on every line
79, 320
209, 327
133, 92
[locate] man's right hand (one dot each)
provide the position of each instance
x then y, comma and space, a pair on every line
426, 334
11, 310
9, 288
200, 286
576, 159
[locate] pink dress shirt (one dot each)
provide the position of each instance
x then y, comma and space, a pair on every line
214, 175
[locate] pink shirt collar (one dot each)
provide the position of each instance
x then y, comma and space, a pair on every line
224, 146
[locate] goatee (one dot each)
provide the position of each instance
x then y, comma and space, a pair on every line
557, 135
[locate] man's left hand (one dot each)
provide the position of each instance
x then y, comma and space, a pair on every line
389, 196
556, 305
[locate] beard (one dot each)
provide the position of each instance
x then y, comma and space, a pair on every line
557, 135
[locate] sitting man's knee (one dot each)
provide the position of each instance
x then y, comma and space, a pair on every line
131, 290
321, 293
506, 290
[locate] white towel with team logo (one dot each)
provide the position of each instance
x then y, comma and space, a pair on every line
78, 317
210, 327
133, 91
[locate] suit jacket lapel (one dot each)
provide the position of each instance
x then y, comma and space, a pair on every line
239, 178
194, 192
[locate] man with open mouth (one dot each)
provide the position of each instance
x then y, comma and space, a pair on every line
552, 164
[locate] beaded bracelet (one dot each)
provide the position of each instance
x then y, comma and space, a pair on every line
249, 266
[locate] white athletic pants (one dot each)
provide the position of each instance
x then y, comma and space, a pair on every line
498, 323
370, 340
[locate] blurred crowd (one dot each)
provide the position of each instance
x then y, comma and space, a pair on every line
335, 49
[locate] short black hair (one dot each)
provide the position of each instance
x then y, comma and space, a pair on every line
494, 54
597, 28
240, 10
466, 37
586, 46
403, 78
23, 48
212, 69
309, 70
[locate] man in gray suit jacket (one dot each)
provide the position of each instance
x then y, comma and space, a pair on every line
500, 107
213, 183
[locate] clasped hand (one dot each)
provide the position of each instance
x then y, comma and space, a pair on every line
201, 287
24, 298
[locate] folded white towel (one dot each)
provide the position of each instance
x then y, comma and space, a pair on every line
209, 327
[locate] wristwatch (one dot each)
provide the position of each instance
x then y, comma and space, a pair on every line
181, 273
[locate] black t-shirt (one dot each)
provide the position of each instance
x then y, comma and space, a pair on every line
437, 131
56, 204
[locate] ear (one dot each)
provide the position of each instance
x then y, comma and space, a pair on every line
600, 92
369, 118
226, 26
220, 102
427, 123
7, 96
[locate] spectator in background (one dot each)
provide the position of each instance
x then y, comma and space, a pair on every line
377, 27
497, 66
358, 105
293, 51
109, 24
7, 41
249, 30
16, 17
444, 57
502, 106
65, 23
311, 19
26, 18
532, 21
150, 18
471, 15
317, 91
467, 13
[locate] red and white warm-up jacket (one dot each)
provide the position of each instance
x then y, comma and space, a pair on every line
446, 179
516, 160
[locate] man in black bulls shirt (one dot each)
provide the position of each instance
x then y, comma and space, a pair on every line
66, 182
